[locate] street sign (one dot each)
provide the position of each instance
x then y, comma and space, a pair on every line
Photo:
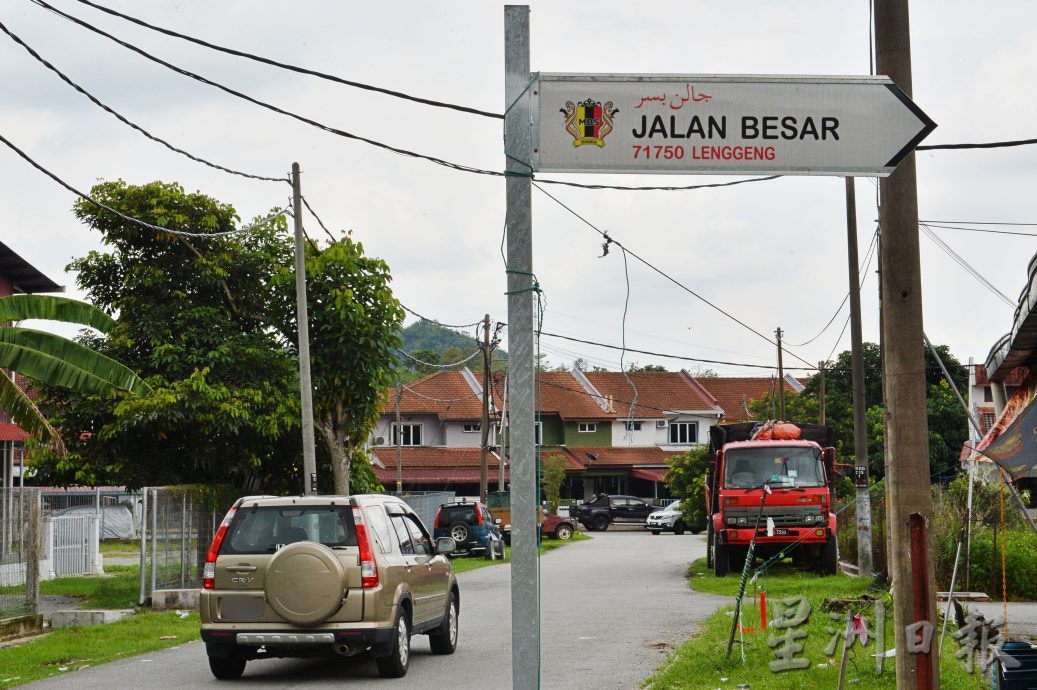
723, 124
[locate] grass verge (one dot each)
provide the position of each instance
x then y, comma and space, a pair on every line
118, 588
72, 649
466, 563
702, 662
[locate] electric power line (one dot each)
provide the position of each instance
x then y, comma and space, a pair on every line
294, 68
984, 230
126, 121
319, 221
439, 366
957, 258
130, 219
438, 323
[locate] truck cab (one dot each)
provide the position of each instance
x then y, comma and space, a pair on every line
795, 517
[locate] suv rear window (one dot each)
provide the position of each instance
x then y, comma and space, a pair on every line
458, 513
266, 529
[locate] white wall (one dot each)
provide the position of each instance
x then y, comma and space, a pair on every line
431, 428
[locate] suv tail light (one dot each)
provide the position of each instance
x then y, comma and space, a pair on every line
209, 570
368, 567
478, 516
435, 525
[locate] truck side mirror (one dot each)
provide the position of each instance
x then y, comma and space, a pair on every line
828, 458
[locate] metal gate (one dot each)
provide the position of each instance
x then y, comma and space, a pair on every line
73, 541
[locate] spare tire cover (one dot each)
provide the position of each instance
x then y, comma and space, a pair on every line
305, 583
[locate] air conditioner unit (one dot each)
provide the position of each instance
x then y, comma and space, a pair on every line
660, 424
379, 440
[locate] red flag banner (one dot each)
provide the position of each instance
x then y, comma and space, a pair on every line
1012, 441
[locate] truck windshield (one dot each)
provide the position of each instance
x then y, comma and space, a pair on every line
790, 466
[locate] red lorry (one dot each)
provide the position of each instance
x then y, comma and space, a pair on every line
797, 463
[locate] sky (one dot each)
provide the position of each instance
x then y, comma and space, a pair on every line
769, 254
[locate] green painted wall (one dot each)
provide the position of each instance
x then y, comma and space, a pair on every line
600, 437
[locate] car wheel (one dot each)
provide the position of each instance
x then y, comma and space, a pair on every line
564, 532
601, 523
655, 532
444, 640
229, 667
678, 528
395, 665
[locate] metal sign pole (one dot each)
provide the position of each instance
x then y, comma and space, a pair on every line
518, 149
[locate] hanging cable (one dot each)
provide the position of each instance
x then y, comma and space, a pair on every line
136, 221
665, 275
127, 122
965, 264
867, 263
319, 221
440, 400
438, 366
438, 323
984, 230
293, 68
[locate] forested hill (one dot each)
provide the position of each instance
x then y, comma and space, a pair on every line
437, 344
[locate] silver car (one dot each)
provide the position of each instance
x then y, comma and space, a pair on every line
666, 520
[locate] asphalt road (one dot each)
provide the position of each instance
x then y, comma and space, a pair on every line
612, 608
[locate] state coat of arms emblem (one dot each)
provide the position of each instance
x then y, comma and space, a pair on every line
589, 122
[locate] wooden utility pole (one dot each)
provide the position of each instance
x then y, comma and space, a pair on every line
907, 427
860, 427
781, 379
309, 448
484, 428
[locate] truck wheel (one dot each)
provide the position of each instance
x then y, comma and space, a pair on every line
709, 544
564, 532
601, 523
721, 559
678, 528
830, 557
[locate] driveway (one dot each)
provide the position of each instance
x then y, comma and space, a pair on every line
612, 608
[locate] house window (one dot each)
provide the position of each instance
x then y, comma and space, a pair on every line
471, 428
633, 426
538, 433
588, 427
683, 433
410, 436
988, 394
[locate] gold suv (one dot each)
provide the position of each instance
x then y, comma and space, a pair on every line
325, 575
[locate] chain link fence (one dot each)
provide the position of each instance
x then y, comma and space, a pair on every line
425, 504
178, 526
21, 522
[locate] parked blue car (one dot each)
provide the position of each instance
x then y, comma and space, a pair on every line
472, 527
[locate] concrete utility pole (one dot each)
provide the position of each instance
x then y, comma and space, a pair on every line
309, 452
484, 429
781, 379
860, 427
907, 426
399, 439
518, 150
821, 392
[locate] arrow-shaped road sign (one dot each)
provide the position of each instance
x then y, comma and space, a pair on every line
723, 124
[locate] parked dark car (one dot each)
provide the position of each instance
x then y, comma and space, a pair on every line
598, 514
472, 527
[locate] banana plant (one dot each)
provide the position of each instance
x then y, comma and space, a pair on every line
54, 360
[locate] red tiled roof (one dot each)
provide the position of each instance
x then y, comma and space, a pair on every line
447, 395
560, 393
588, 458
657, 392
731, 391
423, 457
651, 474
445, 475
1015, 376
12, 432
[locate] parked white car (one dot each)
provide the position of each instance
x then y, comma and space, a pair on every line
668, 519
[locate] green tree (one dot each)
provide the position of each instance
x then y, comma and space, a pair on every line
354, 326
551, 481
192, 321
686, 481
55, 361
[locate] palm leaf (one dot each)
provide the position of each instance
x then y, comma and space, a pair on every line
50, 308
26, 415
65, 363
